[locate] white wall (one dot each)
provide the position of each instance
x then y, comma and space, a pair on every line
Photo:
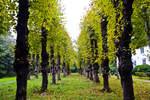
138, 58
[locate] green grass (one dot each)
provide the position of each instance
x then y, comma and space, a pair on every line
143, 78
7, 79
73, 87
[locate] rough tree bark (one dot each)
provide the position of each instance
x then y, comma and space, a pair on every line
21, 64
94, 57
105, 72
68, 69
95, 73
91, 72
44, 62
58, 67
31, 66
80, 69
84, 69
146, 20
124, 52
96, 66
105, 60
116, 3
36, 71
87, 69
53, 66
53, 71
64, 69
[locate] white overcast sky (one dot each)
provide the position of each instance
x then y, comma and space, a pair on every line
73, 12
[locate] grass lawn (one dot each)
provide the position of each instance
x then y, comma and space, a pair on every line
73, 87
143, 78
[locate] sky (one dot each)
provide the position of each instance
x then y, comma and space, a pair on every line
73, 12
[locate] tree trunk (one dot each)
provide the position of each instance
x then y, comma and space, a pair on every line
84, 70
95, 64
31, 67
94, 52
37, 66
50, 70
95, 72
88, 68
58, 67
80, 69
147, 31
53, 72
87, 74
21, 64
68, 69
29, 74
45, 62
64, 69
91, 72
105, 72
53, 66
146, 19
124, 52
105, 60
116, 3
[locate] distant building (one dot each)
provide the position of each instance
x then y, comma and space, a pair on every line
142, 56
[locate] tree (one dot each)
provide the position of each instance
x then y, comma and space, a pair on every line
141, 16
124, 51
58, 67
140, 23
119, 32
105, 59
94, 52
7, 16
36, 66
53, 66
21, 64
44, 62
49, 19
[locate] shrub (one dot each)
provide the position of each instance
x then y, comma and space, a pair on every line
142, 68
148, 74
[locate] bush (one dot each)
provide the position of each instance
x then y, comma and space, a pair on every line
142, 68
148, 74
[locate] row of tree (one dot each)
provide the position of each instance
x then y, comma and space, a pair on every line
107, 34
42, 40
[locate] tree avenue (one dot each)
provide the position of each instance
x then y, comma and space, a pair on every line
40, 30
111, 30
110, 21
